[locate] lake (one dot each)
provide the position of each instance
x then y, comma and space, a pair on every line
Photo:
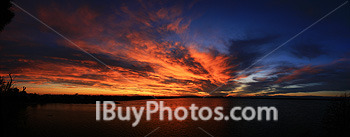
295, 118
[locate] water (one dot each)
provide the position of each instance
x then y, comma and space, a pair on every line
296, 118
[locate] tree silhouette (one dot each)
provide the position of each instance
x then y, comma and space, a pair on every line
7, 86
6, 13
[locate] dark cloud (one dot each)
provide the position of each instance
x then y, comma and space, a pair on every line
30, 56
74, 82
133, 65
181, 55
334, 77
330, 77
245, 52
308, 51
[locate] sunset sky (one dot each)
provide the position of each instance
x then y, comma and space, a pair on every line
172, 48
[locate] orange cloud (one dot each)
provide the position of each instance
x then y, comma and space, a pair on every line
134, 46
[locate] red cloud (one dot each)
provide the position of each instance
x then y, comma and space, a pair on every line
81, 22
296, 73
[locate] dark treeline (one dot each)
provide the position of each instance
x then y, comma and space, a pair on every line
22, 97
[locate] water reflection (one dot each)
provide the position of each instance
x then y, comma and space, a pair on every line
296, 118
